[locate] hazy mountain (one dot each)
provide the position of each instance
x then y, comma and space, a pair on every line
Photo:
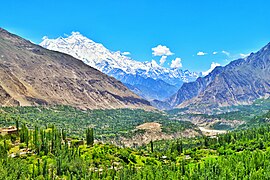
240, 82
148, 79
32, 75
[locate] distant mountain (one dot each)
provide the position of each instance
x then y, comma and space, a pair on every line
239, 83
31, 75
147, 79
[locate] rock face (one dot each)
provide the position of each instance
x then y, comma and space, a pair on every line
240, 82
163, 105
147, 79
32, 75
193, 89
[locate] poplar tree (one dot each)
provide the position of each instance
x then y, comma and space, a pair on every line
152, 146
90, 136
17, 126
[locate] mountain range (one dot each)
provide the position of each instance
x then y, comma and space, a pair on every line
32, 75
239, 83
147, 79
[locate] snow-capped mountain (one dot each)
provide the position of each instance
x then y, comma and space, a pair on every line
147, 79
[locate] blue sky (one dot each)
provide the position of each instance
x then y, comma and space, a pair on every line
186, 27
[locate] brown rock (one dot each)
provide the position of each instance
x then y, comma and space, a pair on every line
31, 75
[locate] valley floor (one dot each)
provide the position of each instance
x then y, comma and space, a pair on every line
41, 149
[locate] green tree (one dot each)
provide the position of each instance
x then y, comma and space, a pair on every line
90, 136
152, 146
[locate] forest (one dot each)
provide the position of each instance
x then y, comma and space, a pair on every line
108, 124
48, 152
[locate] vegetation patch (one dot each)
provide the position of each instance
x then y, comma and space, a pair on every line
108, 124
49, 154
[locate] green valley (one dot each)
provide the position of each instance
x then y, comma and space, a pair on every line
48, 153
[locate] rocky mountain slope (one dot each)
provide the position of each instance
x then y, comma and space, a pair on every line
148, 79
32, 75
240, 82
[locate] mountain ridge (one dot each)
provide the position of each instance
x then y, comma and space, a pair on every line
121, 67
33, 75
240, 82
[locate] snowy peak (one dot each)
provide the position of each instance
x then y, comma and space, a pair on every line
57, 79
97, 56
115, 63
92, 53
78, 36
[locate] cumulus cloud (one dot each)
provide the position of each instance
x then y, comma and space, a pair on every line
161, 51
125, 53
213, 65
163, 60
176, 63
226, 53
244, 55
200, 53
215, 52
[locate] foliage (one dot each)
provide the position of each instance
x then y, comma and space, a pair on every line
46, 152
243, 154
108, 124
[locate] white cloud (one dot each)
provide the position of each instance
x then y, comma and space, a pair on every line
244, 55
163, 60
215, 52
226, 53
200, 53
213, 65
125, 53
161, 51
176, 63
